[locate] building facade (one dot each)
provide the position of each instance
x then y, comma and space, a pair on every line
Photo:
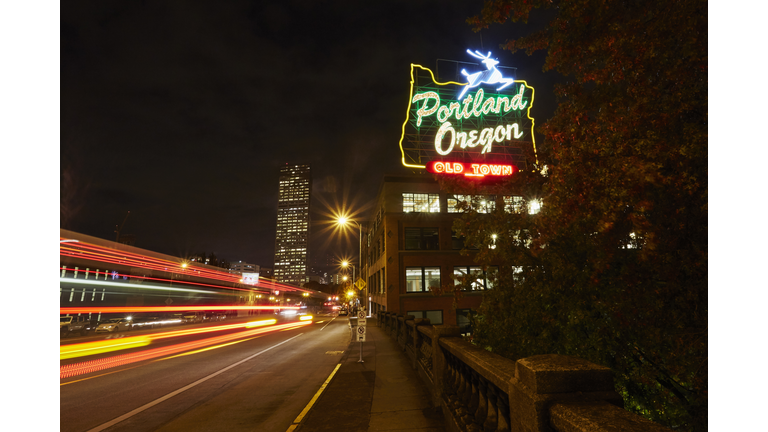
409, 247
292, 240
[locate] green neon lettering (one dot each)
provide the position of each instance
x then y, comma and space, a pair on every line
517, 100
472, 139
478, 102
443, 114
488, 105
423, 111
465, 113
455, 106
486, 140
444, 128
461, 138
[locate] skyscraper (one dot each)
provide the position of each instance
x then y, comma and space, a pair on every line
292, 240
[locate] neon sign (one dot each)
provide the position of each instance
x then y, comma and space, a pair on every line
470, 169
489, 125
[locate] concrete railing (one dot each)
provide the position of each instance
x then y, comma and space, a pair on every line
481, 391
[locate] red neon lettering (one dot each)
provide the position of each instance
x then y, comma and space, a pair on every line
438, 167
476, 168
484, 169
449, 168
458, 168
506, 170
495, 169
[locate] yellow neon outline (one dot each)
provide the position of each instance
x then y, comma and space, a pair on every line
408, 113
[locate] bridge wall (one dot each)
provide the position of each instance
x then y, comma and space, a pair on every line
481, 391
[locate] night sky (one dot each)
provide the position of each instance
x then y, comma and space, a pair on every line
183, 112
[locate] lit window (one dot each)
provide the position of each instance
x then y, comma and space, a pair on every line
421, 203
420, 279
479, 203
478, 279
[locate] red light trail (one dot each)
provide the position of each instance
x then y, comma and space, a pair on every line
105, 255
75, 369
139, 309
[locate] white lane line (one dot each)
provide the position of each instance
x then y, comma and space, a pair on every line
172, 394
328, 323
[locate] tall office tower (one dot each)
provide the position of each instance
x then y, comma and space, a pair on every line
292, 241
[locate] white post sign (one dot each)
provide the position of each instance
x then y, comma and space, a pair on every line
361, 335
361, 318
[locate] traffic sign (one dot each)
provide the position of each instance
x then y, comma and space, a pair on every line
361, 318
360, 283
361, 333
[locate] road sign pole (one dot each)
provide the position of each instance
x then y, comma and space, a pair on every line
361, 353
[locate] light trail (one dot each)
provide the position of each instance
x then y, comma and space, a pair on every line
90, 348
140, 309
75, 369
77, 249
130, 285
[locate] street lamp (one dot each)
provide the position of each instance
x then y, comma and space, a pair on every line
342, 221
345, 264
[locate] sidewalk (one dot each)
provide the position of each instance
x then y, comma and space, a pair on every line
383, 393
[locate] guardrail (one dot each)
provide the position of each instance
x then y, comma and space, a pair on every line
482, 391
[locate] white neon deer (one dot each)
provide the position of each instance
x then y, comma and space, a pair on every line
490, 76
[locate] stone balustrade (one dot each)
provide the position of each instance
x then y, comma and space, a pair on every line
482, 391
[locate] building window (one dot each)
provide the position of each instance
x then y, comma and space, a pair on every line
422, 239
464, 321
514, 204
457, 241
435, 316
479, 279
453, 202
421, 203
479, 203
420, 279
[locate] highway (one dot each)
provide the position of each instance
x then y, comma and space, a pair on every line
255, 378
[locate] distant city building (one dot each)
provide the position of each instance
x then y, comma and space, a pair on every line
337, 278
319, 279
292, 239
241, 267
249, 272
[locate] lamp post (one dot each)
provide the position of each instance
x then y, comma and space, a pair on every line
343, 221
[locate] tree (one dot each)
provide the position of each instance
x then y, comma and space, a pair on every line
614, 267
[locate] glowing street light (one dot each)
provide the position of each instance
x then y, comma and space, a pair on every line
342, 221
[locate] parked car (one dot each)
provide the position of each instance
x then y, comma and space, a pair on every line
343, 312
74, 324
147, 322
215, 316
115, 325
192, 317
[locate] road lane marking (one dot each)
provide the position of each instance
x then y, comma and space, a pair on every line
328, 323
312, 402
183, 389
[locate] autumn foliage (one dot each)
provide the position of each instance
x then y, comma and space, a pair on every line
614, 267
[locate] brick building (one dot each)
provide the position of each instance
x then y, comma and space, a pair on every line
409, 246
